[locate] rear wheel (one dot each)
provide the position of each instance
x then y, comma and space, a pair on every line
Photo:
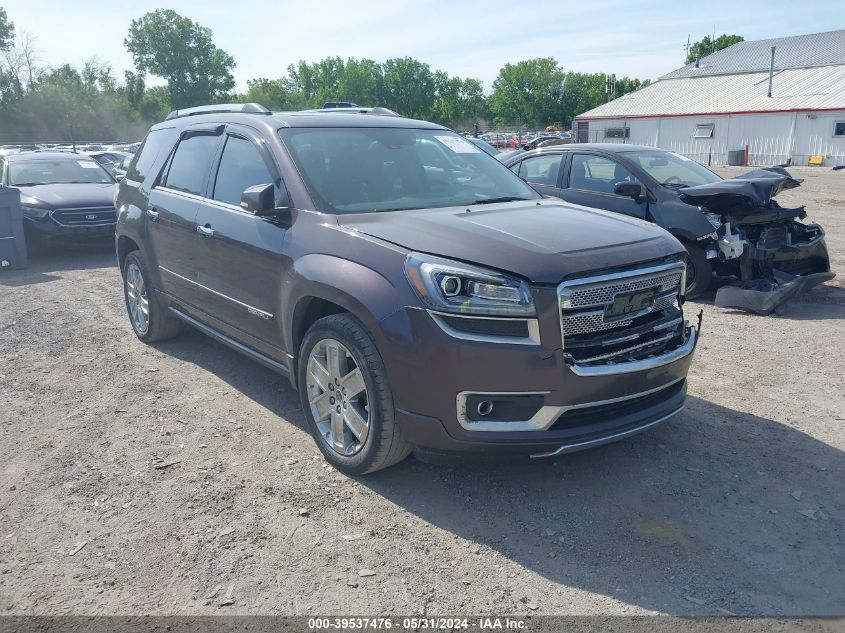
346, 397
148, 317
699, 270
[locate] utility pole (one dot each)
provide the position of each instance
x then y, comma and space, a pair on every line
686, 48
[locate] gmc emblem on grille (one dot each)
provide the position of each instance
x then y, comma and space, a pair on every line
91, 216
630, 302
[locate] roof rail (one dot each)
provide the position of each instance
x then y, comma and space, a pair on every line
220, 108
358, 110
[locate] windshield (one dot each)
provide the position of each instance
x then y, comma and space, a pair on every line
51, 172
357, 170
673, 170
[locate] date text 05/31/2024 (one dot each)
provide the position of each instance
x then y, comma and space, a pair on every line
416, 624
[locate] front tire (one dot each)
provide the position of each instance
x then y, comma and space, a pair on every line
149, 318
699, 271
346, 397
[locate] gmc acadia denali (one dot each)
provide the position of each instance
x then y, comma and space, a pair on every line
417, 293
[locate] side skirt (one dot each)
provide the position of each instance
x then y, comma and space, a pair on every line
235, 345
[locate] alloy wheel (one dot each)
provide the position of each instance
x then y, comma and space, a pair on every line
136, 299
337, 395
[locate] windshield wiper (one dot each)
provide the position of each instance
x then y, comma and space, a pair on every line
500, 199
674, 185
27, 184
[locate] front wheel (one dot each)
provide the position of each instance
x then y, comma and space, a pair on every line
346, 397
699, 271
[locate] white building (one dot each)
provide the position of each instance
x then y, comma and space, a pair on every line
720, 104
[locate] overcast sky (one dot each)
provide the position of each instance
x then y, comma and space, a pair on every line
465, 38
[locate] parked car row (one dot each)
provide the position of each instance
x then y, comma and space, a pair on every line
421, 291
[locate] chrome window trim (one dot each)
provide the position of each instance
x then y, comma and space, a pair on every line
251, 309
203, 199
607, 439
533, 337
545, 417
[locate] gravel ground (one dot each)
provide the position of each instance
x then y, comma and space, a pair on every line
180, 479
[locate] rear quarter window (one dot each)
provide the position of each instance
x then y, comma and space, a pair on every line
155, 148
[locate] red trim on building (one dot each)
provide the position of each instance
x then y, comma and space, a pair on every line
668, 116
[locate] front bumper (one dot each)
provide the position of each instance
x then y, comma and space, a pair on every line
49, 229
432, 373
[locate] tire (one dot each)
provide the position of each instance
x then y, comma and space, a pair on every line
357, 449
159, 324
699, 271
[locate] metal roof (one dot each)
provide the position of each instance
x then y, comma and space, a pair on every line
795, 89
798, 51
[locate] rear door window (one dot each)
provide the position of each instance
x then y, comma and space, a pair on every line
190, 164
597, 173
541, 170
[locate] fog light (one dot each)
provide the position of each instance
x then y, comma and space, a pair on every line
485, 407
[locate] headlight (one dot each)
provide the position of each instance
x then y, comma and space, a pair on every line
449, 286
36, 213
715, 219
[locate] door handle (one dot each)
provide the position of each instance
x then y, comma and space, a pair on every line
152, 214
205, 231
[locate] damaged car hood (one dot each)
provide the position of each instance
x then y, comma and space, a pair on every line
748, 197
544, 240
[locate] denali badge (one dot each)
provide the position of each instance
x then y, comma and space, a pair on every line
91, 216
629, 302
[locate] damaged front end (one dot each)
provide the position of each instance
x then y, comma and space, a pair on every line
774, 255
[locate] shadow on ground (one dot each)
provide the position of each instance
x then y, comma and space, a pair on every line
47, 262
717, 511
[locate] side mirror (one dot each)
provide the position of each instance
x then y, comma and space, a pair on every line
628, 189
260, 200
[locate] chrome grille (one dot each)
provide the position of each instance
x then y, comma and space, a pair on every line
584, 323
602, 293
583, 302
90, 216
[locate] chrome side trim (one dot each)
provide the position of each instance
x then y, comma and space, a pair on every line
203, 199
533, 337
251, 309
226, 340
542, 420
640, 365
607, 439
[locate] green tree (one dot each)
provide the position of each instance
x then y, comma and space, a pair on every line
181, 51
7, 30
408, 87
528, 92
707, 46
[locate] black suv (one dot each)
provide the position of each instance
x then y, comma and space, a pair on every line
418, 294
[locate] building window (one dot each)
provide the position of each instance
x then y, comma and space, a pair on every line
617, 132
703, 131
839, 128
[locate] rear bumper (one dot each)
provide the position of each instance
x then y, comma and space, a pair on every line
580, 407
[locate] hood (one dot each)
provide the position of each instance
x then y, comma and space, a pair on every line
70, 195
745, 194
543, 241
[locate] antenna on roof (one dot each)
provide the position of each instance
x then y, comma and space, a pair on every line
686, 48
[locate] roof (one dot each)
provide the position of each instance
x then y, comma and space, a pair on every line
798, 51
608, 148
28, 156
792, 90
317, 118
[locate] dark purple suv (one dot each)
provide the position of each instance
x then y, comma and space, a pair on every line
418, 294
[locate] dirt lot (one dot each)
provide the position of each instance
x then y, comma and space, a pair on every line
180, 478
